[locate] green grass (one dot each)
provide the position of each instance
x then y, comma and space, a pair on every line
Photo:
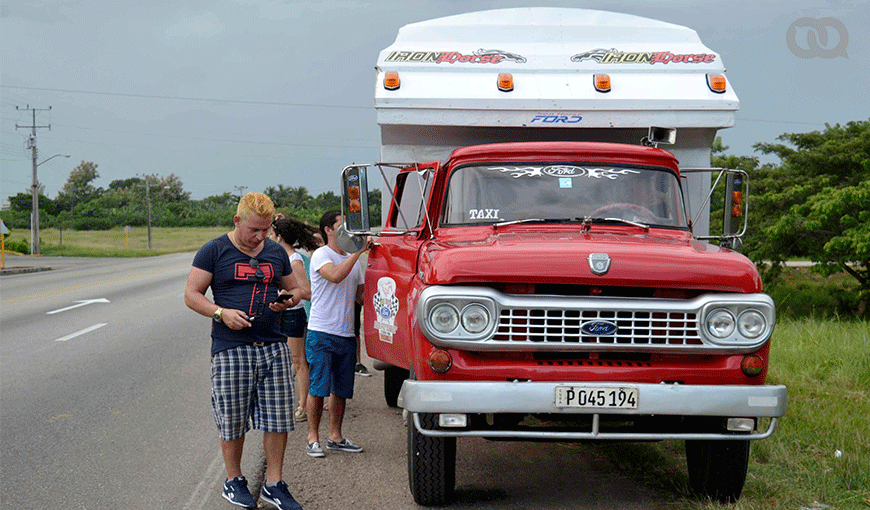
117, 243
826, 366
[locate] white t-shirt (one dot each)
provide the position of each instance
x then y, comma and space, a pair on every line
297, 256
332, 304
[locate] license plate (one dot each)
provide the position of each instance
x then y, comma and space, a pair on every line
596, 397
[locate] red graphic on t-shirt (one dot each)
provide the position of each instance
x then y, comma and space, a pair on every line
246, 272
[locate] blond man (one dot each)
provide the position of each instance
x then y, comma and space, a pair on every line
251, 364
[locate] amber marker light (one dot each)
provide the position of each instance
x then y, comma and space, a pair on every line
440, 361
391, 80
717, 83
752, 365
602, 82
505, 82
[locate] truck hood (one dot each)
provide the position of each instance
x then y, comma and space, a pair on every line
636, 260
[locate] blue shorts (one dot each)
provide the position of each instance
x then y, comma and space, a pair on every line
252, 384
331, 362
294, 322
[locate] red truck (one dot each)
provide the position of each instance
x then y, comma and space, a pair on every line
556, 289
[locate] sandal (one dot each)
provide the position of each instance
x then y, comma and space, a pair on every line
300, 414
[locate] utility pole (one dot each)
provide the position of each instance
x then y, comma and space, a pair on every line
147, 186
34, 188
240, 189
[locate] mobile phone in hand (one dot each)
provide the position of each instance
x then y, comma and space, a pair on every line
282, 297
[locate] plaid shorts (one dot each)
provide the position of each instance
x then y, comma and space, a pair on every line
252, 384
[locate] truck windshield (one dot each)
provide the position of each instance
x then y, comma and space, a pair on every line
498, 193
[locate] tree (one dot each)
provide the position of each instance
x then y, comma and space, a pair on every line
78, 186
290, 197
818, 201
24, 202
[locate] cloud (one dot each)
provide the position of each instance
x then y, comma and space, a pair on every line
189, 26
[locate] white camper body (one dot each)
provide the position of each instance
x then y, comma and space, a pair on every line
448, 95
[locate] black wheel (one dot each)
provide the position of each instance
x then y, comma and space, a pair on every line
393, 379
717, 469
431, 464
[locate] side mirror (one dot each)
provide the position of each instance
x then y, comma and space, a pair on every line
355, 199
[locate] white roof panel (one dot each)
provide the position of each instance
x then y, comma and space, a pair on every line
452, 64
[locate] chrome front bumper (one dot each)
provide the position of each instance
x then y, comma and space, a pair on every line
449, 397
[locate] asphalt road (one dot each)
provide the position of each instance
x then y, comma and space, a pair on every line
105, 404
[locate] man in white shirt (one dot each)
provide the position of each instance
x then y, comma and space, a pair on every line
336, 284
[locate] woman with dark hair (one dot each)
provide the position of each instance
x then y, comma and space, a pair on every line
294, 234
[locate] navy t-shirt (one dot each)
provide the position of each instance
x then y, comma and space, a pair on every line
235, 285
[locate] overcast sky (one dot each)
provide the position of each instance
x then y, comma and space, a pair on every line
258, 93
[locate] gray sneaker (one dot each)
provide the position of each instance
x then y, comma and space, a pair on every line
343, 446
315, 450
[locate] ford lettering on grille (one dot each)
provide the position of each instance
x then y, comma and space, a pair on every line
598, 328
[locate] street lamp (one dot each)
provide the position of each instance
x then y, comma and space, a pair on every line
34, 218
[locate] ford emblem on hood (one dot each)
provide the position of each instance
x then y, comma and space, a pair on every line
599, 263
598, 328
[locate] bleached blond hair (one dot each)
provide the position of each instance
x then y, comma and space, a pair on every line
255, 203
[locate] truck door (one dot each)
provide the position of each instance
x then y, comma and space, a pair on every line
392, 267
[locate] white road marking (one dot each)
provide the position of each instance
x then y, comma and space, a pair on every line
80, 303
199, 498
82, 332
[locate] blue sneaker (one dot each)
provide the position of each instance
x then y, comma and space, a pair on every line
236, 492
279, 496
343, 446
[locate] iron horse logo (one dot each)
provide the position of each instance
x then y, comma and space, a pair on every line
614, 56
564, 171
480, 56
598, 328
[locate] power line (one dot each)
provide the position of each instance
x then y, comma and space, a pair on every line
181, 98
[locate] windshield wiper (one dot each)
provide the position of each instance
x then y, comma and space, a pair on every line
534, 220
587, 222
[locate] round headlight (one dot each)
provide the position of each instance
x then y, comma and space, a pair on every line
444, 318
751, 323
720, 323
475, 318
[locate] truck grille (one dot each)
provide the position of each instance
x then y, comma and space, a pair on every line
560, 323
559, 326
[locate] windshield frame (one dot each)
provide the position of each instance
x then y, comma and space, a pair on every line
492, 222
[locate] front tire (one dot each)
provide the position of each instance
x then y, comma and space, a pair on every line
717, 469
431, 463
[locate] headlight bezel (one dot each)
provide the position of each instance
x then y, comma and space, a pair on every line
738, 335
463, 306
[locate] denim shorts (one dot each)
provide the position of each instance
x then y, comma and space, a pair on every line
331, 362
252, 384
294, 322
